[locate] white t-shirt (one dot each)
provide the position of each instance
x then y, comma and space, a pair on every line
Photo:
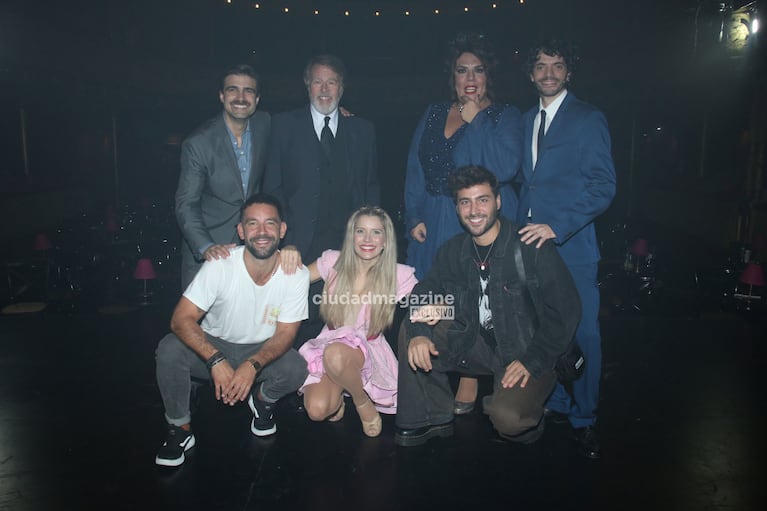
238, 310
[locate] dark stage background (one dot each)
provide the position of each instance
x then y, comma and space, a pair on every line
105, 91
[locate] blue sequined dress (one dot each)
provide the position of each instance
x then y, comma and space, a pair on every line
493, 139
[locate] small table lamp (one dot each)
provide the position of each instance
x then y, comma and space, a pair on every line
639, 249
145, 271
753, 275
110, 222
42, 242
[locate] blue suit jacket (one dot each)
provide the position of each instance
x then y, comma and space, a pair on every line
574, 179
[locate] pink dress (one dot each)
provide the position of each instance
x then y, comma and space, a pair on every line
379, 371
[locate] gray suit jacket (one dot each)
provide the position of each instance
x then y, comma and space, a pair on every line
210, 194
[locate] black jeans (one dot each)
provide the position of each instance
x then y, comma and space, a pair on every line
426, 398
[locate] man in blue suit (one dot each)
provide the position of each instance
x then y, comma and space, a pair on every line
568, 180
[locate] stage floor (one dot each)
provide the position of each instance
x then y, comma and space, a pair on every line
680, 422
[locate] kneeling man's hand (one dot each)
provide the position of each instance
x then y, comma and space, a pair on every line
221, 374
240, 384
419, 353
515, 372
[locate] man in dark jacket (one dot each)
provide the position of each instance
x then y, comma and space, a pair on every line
489, 321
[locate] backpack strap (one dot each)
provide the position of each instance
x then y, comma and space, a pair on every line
529, 281
520, 264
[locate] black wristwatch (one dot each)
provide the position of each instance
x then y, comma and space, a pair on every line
255, 363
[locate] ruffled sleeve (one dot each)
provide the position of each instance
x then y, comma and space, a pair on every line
325, 263
406, 280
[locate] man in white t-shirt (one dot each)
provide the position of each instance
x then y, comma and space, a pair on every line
250, 311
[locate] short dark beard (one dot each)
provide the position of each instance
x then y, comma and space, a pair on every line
490, 225
265, 255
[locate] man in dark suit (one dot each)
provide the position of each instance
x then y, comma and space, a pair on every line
222, 163
569, 179
322, 166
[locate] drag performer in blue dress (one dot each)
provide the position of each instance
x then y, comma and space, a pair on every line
471, 129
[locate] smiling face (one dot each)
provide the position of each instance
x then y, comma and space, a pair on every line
239, 97
470, 77
369, 237
325, 88
261, 229
477, 209
550, 76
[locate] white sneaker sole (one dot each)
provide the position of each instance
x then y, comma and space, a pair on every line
164, 462
253, 429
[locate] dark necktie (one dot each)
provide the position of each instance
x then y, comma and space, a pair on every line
326, 137
541, 133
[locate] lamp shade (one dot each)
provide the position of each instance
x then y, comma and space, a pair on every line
144, 270
640, 247
110, 225
753, 274
42, 242
110, 222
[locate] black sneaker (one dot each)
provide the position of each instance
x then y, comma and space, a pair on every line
178, 441
263, 417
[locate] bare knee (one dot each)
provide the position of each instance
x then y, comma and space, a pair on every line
317, 409
336, 358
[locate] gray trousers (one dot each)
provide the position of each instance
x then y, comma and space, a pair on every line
426, 399
177, 364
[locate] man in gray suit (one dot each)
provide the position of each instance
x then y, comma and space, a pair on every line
222, 163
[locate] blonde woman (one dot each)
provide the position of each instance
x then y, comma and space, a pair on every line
363, 283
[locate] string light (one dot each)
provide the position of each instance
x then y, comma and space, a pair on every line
301, 8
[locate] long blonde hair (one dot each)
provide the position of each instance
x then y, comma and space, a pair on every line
380, 281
